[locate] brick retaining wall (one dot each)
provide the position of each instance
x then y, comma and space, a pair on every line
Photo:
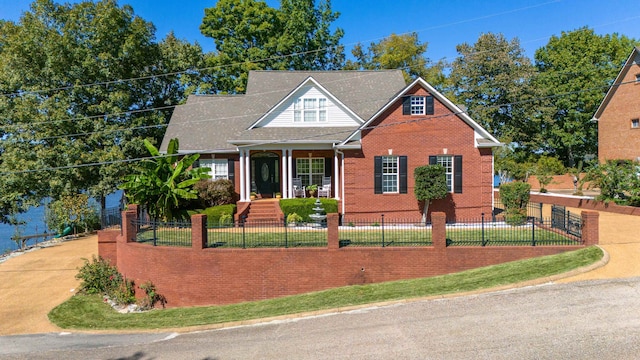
209, 276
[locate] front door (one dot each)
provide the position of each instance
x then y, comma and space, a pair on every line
266, 176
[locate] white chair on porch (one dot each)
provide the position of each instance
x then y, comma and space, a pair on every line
298, 189
325, 189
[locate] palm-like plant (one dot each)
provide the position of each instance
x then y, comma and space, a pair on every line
165, 181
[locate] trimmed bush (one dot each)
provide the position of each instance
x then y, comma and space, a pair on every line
515, 197
216, 213
304, 207
215, 192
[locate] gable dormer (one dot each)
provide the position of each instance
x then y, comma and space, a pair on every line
309, 105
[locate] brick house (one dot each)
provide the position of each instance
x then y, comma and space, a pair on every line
362, 132
618, 115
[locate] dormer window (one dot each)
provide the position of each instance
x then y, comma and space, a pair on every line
310, 110
417, 105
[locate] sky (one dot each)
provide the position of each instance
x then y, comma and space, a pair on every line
442, 24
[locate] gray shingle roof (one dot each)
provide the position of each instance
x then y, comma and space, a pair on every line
206, 123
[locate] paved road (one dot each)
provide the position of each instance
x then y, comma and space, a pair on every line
596, 319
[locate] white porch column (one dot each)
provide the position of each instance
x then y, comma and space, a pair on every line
247, 171
243, 188
285, 178
336, 177
290, 172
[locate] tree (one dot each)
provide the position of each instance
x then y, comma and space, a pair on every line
404, 52
164, 184
430, 184
515, 197
546, 167
618, 181
79, 87
250, 35
492, 79
74, 210
574, 74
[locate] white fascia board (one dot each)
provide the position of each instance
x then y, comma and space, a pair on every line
308, 80
635, 52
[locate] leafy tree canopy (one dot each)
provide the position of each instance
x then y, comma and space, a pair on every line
404, 52
77, 83
575, 71
250, 35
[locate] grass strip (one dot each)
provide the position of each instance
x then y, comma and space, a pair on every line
89, 312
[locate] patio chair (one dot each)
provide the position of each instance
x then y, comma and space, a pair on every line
325, 189
298, 189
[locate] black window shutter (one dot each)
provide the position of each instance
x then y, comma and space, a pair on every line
403, 174
293, 168
377, 175
429, 105
328, 166
433, 160
406, 105
457, 174
231, 169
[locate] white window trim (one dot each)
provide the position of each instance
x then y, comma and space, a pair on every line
418, 105
386, 160
440, 159
317, 112
635, 123
307, 178
214, 165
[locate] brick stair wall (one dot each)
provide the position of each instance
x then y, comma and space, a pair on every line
261, 211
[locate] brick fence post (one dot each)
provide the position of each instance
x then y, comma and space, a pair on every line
332, 231
129, 228
198, 231
590, 228
439, 230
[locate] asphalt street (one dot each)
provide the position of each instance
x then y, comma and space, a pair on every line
597, 319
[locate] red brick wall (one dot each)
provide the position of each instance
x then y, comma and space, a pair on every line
107, 245
417, 137
196, 276
616, 138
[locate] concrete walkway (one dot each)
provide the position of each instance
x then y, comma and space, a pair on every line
32, 284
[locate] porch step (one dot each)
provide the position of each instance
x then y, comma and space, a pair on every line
263, 211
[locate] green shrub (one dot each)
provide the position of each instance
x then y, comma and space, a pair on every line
215, 192
124, 293
151, 296
215, 213
304, 207
293, 218
225, 220
515, 197
98, 276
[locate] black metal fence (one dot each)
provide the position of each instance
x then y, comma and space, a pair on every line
534, 210
157, 233
266, 234
110, 217
565, 221
385, 232
531, 232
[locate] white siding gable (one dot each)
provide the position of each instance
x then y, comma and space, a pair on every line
283, 116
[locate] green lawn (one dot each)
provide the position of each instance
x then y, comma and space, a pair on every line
301, 236
89, 312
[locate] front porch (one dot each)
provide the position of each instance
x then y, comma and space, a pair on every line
269, 172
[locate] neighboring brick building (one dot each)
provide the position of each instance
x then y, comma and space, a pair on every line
619, 114
362, 131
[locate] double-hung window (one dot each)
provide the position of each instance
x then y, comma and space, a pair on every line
219, 168
389, 174
447, 164
310, 110
310, 170
452, 165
